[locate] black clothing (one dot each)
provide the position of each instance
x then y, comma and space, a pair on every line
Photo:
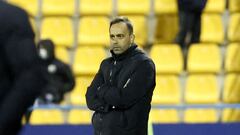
121, 93
22, 76
191, 5
61, 79
189, 21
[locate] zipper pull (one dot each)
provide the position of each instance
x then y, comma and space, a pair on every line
115, 62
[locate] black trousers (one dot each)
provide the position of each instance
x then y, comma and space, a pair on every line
189, 23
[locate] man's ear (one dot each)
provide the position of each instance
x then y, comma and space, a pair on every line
132, 38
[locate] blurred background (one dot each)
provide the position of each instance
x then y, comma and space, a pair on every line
200, 85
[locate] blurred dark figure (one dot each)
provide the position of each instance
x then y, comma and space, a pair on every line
189, 21
22, 75
61, 77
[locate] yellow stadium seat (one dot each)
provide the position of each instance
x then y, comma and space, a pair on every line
88, 59
52, 27
31, 6
77, 96
230, 115
215, 6
212, 30
79, 117
133, 7
166, 28
58, 7
46, 116
199, 60
93, 31
234, 6
167, 90
234, 28
140, 29
231, 89
157, 116
62, 54
200, 116
201, 89
232, 58
95, 7
165, 7
167, 58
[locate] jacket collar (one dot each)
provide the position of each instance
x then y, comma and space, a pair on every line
125, 54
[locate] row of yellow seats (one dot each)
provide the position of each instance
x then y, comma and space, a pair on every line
88, 7
212, 29
199, 89
55, 116
87, 59
194, 116
92, 30
199, 60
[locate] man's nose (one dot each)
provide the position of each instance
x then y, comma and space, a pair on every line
114, 41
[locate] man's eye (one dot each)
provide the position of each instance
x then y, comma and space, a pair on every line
120, 36
112, 36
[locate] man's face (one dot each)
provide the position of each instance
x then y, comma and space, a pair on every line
120, 39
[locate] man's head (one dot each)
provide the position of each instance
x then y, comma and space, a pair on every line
121, 34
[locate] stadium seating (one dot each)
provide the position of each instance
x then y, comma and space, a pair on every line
31, 6
234, 28
201, 89
230, 115
87, 60
199, 60
167, 90
58, 7
157, 116
234, 6
215, 6
140, 7
93, 31
52, 27
166, 28
46, 117
212, 29
200, 116
140, 29
231, 90
77, 117
95, 7
165, 7
232, 58
77, 96
62, 54
167, 58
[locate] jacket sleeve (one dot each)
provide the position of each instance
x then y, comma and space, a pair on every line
93, 101
137, 86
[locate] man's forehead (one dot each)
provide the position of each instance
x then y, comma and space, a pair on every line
119, 28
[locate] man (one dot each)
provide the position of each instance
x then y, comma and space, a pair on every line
189, 21
22, 76
61, 80
121, 91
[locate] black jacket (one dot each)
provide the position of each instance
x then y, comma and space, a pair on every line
61, 81
192, 5
121, 93
21, 75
